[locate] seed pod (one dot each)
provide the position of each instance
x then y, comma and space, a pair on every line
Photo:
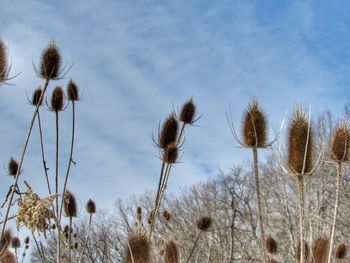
320, 249
72, 91
91, 207
15, 242
36, 97
300, 143
169, 132
166, 215
205, 223
271, 245
188, 112
171, 252
340, 251
171, 153
4, 62
12, 167
70, 205
341, 143
57, 99
138, 249
26, 240
254, 126
50, 63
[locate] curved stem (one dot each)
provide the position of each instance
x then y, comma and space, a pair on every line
56, 189
70, 156
336, 206
86, 240
21, 159
194, 246
258, 197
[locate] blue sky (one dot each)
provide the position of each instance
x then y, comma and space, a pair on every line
134, 59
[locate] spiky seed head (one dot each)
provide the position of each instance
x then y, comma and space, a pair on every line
271, 245
171, 252
36, 97
15, 242
5, 240
8, 257
204, 223
50, 63
171, 153
341, 143
166, 215
340, 251
26, 240
12, 167
70, 205
169, 132
306, 252
320, 249
254, 126
300, 143
188, 112
72, 91
91, 207
138, 249
4, 62
57, 99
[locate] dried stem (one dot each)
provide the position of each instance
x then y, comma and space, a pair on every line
336, 206
21, 159
56, 190
70, 240
194, 246
301, 216
86, 240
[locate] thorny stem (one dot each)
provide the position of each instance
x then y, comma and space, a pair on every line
86, 240
194, 246
57, 208
43, 153
21, 159
301, 216
336, 206
70, 240
258, 196
70, 157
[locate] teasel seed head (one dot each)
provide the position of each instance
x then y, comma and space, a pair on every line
169, 132
340, 251
205, 223
138, 249
171, 153
306, 252
188, 112
73, 91
12, 167
91, 207
271, 245
50, 63
70, 205
4, 62
5, 240
171, 252
320, 249
7, 257
26, 240
36, 97
15, 242
166, 215
57, 99
300, 143
341, 143
254, 126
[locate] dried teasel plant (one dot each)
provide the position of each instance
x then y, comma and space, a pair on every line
5, 65
70, 210
171, 252
8, 257
340, 153
12, 167
271, 245
5, 241
320, 250
138, 248
341, 251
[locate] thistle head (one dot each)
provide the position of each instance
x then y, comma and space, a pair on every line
57, 99
171, 252
271, 245
70, 205
254, 126
12, 167
320, 249
169, 132
171, 153
72, 91
36, 97
205, 223
15, 242
4, 62
340, 251
188, 112
138, 249
91, 207
300, 143
340, 143
50, 62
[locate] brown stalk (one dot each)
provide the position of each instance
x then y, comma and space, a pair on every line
56, 188
86, 240
194, 246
